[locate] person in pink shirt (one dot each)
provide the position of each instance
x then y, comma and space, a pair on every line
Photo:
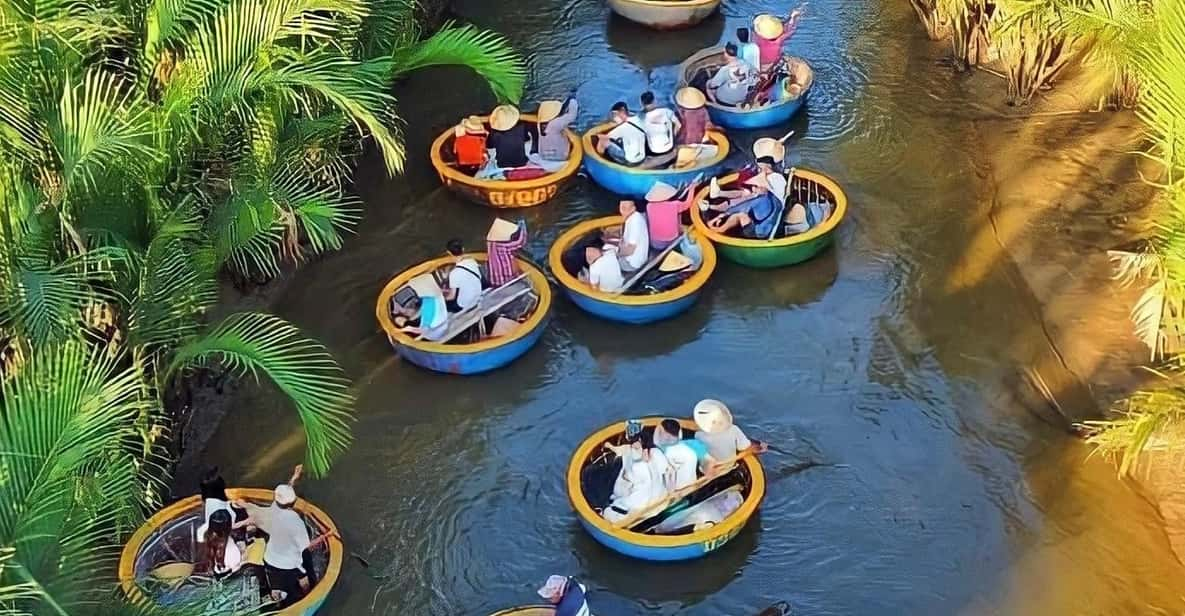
663, 210
772, 34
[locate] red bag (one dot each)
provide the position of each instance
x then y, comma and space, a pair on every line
525, 173
470, 150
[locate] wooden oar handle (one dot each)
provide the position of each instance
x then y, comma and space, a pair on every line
643, 512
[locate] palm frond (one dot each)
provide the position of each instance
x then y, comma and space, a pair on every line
247, 232
300, 367
99, 127
69, 481
489, 54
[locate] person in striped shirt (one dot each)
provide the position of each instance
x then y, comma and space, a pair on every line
502, 241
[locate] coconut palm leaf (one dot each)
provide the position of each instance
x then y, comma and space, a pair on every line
99, 126
247, 231
252, 343
172, 284
69, 417
489, 54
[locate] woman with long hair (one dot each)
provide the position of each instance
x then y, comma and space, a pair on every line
222, 555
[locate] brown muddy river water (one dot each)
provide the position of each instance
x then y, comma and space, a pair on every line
889, 356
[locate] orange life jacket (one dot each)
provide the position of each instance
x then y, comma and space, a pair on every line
470, 150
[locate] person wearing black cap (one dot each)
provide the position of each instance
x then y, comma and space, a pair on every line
730, 85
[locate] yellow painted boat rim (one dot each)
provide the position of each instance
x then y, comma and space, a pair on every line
527, 610
131, 550
712, 51
730, 524
534, 274
829, 225
689, 287
570, 167
719, 139
688, 4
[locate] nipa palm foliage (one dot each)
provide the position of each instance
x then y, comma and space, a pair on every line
1156, 419
145, 147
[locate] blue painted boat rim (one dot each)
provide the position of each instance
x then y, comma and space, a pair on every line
537, 319
704, 54
718, 138
689, 287
729, 526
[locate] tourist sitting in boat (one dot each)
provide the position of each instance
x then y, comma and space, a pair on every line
418, 315
695, 121
688, 458
732, 82
469, 144
723, 438
509, 142
643, 478
503, 240
464, 280
747, 50
661, 125
222, 555
285, 554
625, 143
632, 241
664, 207
214, 498
604, 270
772, 34
758, 211
554, 118
567, 595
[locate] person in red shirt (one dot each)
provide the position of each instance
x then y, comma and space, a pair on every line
772, 34
469, 144
693, 116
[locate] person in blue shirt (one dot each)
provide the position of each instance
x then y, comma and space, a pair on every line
422, 315
686, 456
567, 595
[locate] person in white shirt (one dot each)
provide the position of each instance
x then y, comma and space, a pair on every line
287, 540
661, 126
644, 478
464, 281
625, 143
633, 249
604, 272
730, 85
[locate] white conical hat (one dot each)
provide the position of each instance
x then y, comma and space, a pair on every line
712, 416
690, 98
549, 110
501, 231
504, 117
767, 26
661, 191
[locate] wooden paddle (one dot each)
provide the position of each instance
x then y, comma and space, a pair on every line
651, 509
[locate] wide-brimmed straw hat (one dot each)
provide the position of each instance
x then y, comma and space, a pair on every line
767, 26
661, 191
674, 262
685, 156
712, 416
768, 147
504, 117
690, 98
501, 231
796, 215
549, 110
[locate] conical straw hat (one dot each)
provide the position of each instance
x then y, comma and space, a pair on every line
796, 215
549, 110
712, 416
504, 117
674, 262
768, 146
767, 26
690, 98
501, 231
661, 191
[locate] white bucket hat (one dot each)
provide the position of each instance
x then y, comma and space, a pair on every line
284, 494
712, 416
